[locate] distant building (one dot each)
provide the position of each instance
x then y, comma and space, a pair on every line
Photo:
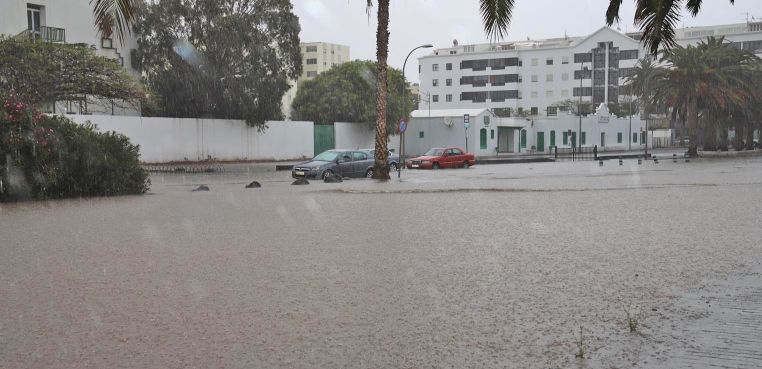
533, 76
317, 57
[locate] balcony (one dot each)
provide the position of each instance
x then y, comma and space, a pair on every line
44, 33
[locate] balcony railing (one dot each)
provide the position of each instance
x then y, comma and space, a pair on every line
47, 34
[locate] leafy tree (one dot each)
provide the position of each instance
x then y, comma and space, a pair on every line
41, 72
218, 59
342, 94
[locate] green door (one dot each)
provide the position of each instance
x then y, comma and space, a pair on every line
523, 139
552, 139
483, 138
324, 138
541, 141
574, 139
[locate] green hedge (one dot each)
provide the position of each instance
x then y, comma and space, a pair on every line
44, 157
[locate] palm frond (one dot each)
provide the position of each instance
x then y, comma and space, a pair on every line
657, 19
612, 13
496, 16
114, 16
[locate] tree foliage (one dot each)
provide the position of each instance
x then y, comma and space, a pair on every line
40, 72
346, 93
220, 59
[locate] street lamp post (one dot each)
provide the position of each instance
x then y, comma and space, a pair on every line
402, 134
578, 141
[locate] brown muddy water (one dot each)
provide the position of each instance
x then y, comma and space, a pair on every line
494, 266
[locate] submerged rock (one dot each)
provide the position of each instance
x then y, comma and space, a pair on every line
253, 184
201, 188
300, 182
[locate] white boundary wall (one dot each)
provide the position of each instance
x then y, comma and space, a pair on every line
360, 136
178, 139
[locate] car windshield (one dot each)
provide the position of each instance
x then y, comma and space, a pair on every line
434, 152
564, 184
327, 156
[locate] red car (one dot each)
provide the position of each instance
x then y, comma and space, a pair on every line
448, 157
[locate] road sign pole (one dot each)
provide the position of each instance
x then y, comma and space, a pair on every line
402, 127
466, 124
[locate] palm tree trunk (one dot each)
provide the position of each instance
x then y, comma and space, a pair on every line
710, 134
692, 115
749, 135
738, 140
723, 136
381, 167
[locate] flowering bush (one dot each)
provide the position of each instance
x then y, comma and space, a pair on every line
51, 157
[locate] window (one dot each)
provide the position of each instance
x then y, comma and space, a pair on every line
628, 54
420, 134
582, 138
564, 93
448, 98
634, 137
565, 138
586, 91
311, 74
552, 111
549, 77
619, 137
534, 78
435, 82
435, 98
448, 82
549, 61
435, 67
642, 137
448, 66
33, 17
533, 110
583, 74
583, 58
533, 94
359, 155
552, 138
564, 76
752, 46
534, 62
491, 134
486, 120
311, 61
549, 93
311, 49
564, 60
456, 152
500, 96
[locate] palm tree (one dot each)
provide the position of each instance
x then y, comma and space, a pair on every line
114, 16
656, 18
706, 82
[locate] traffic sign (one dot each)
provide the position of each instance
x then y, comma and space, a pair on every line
402, 126
465, 118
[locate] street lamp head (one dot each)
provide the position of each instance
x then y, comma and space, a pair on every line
427, 45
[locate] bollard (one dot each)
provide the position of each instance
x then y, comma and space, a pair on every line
656, 161
674, 158
600, 163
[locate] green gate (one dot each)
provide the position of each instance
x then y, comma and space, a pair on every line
325, 138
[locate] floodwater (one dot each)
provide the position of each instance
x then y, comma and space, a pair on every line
494, 266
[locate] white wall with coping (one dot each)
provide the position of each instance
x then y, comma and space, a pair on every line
359, 136
176, 139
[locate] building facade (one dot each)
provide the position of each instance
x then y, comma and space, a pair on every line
71, 22
317, 57
533, 77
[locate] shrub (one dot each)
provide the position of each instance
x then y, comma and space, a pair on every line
46, 157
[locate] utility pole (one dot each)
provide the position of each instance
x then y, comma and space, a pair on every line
578, 141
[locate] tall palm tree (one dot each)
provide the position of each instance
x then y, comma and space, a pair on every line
707, 81
656, 18
114, 17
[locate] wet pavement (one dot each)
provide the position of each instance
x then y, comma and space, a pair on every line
494, 266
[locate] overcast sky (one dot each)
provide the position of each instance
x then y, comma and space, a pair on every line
416, 22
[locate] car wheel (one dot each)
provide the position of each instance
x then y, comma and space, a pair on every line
435, 166
369, 173
327, 173
393, 167
466, 165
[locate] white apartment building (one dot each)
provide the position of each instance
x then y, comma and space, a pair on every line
533, 75
317, 57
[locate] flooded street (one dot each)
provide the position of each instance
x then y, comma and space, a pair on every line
494, 266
